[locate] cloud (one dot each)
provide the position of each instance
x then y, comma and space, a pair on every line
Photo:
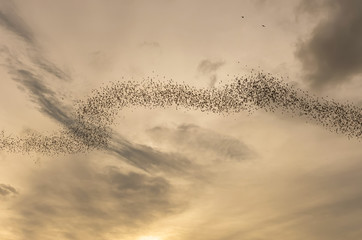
50, 68
322, 204
13, 22
10, 20
149, 159
333, 53
140, 156
313, 7
207, 66
75, 199
42, 95
32, 81
7, 190
192, 138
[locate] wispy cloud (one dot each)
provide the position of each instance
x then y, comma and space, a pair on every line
48, 102
7, 190
10, 20
14, 23
208, 66
50, 68
45, 98
149, 159
203, 142
81, 201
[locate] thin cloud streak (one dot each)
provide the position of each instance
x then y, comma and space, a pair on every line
7, 190
10, 20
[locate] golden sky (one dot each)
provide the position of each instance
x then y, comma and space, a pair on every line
174, 173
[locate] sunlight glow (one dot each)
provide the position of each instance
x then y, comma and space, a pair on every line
149, 238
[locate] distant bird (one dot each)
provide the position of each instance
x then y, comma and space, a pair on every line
242, 16
263, 25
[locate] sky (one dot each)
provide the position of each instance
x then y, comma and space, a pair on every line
175, 173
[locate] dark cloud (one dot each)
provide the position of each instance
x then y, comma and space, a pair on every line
10, 20
202, 141
333, 53
81, 201
207, 66
7, 190
45, 98
32, 81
